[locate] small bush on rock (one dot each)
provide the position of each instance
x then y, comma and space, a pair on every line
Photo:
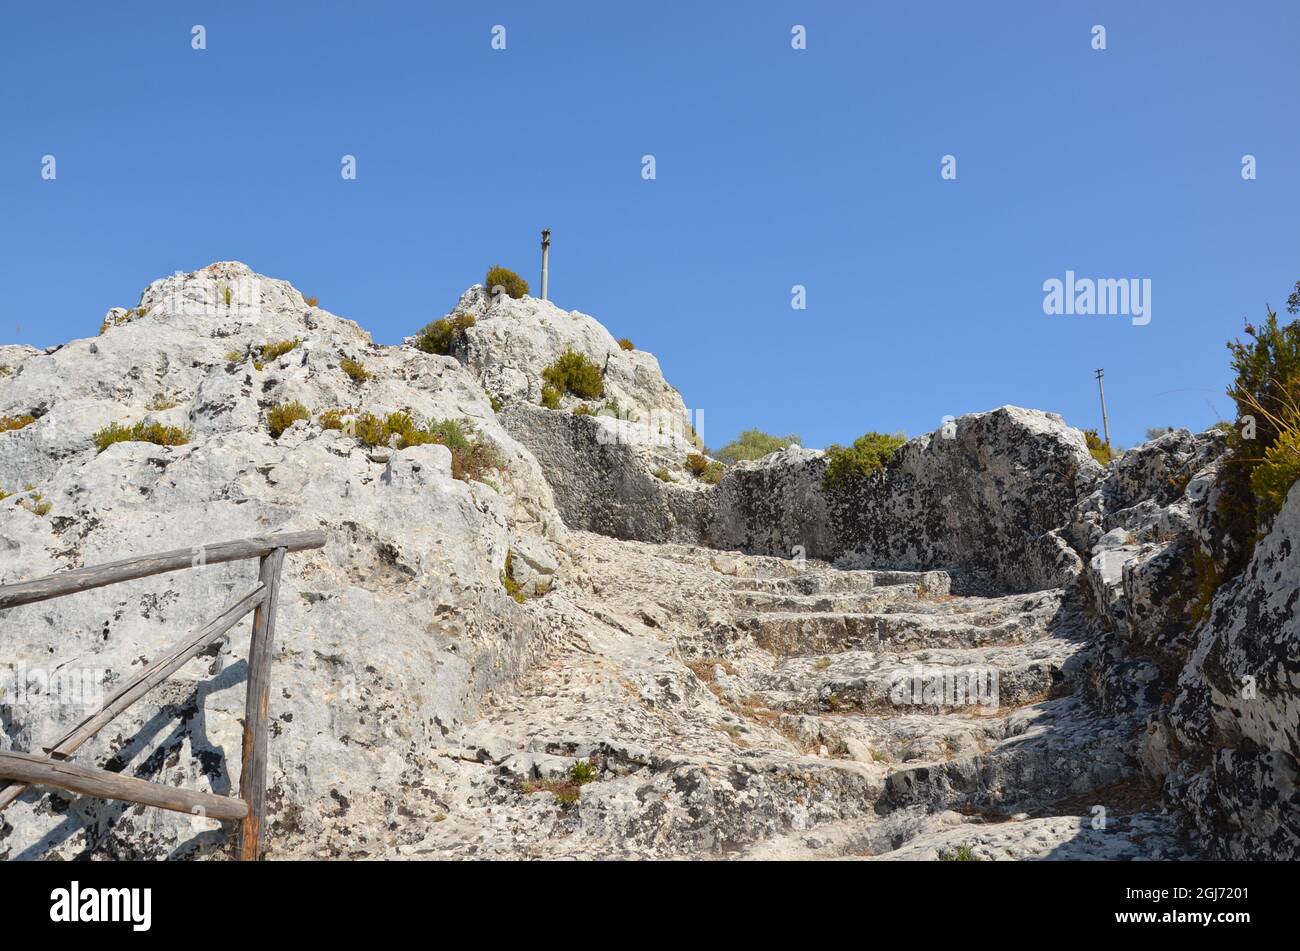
754, 444
155, 433
472, 457
285, 415
574, 373
626, 344
272, 351
355, 370
498, 276
444, 335
513, 588
10, 423
868, 454
1099, 450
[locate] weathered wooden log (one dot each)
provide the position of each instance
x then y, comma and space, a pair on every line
162, 667
252, 778
129, 569
26, 768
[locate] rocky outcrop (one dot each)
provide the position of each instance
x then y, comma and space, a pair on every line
1236, 722
983, 498
596, 651
614, 476
391, 635
513, 341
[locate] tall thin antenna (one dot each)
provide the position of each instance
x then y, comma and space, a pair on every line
546, 253
1105, 424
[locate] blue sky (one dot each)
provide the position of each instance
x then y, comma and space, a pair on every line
775, 167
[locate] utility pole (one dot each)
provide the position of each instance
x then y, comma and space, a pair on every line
1105, 425
546, 253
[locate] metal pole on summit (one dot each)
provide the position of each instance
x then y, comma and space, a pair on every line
546, 253
1105, 424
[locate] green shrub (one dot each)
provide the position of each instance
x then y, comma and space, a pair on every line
1099, 450
285, 415
331, 419
472, 457
626, 344
582, 772
513, 588
355, 370
662, 475
963, 853
444, 335
869, 453
574, 373
310, 301
1272, 477
1266, 389
5, 370
754, 444
156, 433
10, 423
270, 351
706, 470
37, 504
498, 276
550, 396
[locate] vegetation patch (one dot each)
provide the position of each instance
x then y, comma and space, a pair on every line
310, 301
284, 415
567, 790
662, 475
754, 444
143, 431
355, 370
1097, 448
272, 351
472, 457
868, 454
706, 470
626, 344
573, 372
10, 423
513, 588
444, 335
36, 504
512, 283
962, 853
1263, 444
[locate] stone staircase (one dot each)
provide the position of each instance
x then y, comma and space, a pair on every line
752, 706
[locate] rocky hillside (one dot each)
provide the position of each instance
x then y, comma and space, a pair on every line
557, 631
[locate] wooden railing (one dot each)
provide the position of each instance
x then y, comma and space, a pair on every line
52, 769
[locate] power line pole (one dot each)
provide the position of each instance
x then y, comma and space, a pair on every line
546, 253
1105, 424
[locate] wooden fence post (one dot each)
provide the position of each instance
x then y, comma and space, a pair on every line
252, 778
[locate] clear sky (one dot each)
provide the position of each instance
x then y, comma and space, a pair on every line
774, 166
